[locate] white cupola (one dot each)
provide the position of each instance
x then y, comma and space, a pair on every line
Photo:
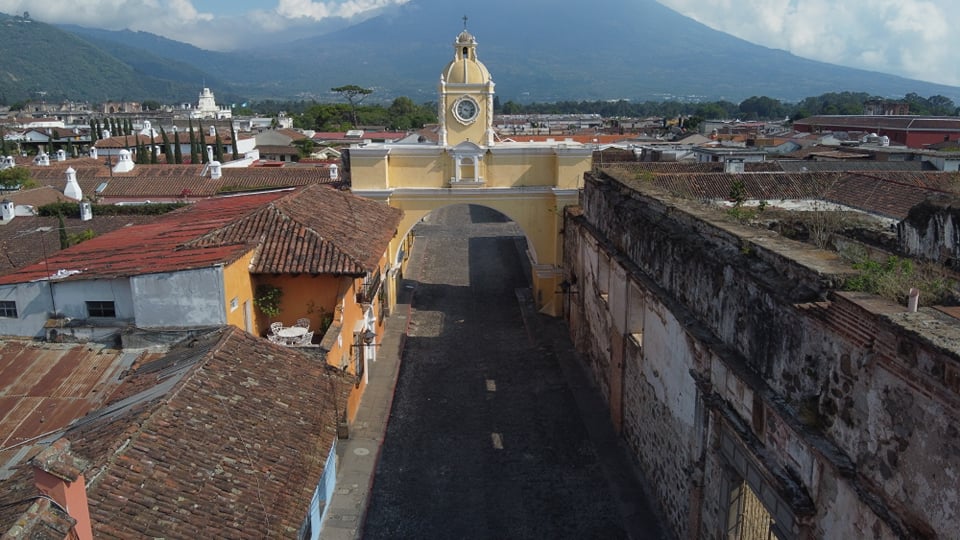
124, 163
73, 188
7, 210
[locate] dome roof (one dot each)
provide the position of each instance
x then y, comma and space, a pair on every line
465, 68
465, 71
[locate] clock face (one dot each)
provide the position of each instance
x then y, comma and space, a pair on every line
465, 109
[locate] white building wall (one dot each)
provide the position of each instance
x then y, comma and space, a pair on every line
33, 309
71, 297
180, 299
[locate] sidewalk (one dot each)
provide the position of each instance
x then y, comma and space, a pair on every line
358, 455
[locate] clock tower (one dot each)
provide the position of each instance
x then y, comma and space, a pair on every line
466, 96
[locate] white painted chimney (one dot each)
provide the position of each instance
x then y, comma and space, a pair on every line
334, 172
61, 155
8, 210
86, 211
106, 133
42, 160
73, 188
213, 131
209, 153
215, 170
93, 152
733, 166
124, 163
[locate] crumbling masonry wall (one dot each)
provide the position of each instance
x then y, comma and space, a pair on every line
728, 356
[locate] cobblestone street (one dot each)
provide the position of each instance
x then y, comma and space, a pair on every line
485, 438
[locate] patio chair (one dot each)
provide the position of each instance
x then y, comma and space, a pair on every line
275, 327
306, 339
303, 322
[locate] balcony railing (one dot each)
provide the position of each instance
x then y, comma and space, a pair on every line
371, 286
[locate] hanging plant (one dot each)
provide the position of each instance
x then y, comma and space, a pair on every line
267, 299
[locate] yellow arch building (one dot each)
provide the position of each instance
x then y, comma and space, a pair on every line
529, 182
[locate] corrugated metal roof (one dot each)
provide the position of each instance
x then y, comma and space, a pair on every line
44, 387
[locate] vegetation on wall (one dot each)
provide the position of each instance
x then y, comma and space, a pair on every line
894, 277
267, 299
73, 209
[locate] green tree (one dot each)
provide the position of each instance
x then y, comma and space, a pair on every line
166, 146
354, 95
153, 149
202, 143
94, 135
218, 148
177, 152
193, 144
304, 147
150, 105
233, 141
510, 107
762, 108
14, 176
62, 229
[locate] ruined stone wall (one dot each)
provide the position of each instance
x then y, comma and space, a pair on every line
932, 230
736, 366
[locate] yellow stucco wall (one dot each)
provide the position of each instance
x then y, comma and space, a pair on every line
238, 288
457, 132
417, 171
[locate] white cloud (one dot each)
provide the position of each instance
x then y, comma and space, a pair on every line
181, 20
321, 10
911, 38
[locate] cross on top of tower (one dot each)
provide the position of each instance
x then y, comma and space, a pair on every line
464, 22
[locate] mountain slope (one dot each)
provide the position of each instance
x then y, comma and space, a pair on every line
42, 61
609, 49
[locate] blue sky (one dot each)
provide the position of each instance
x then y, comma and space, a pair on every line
911, 38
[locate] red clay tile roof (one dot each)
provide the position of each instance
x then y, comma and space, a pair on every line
164, 182
315, 230
151, 247
292, 133
26, 240
131, 141
37, 196
341, 136
227, 433
874, 123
